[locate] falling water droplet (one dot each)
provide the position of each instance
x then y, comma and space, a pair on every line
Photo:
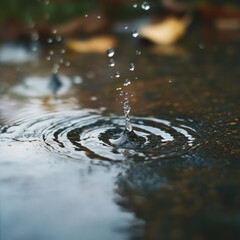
111, 62
135, 5
110, 52
138, 52
117, 74
135, 34
127, 109
126, 83
145, 6
132, 67
49, 40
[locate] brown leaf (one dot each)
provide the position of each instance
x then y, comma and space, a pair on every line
167, 31
83, 25
94, 45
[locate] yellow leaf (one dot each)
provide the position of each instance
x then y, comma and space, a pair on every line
93, 45
165, 32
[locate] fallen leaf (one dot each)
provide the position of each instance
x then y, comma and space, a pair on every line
93, 45
167, 31
83, 25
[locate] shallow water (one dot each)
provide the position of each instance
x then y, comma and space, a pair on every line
61, 176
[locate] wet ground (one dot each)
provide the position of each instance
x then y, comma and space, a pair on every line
62, 179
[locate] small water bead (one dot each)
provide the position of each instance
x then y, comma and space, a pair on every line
111, 63
138, 52
125, 26
98, 17
86, 15
49, 40
34, 48
132, 67
63, 51
46, 2
135, 34
135, 5
110, 52
61, 60
117, 74
48, 58
67, 63
119, 89
54, 31
126, 83
145, 6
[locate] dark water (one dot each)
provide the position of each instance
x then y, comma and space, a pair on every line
61, 176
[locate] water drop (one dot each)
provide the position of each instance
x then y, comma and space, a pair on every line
98, 17
93, 98
46, 2
77, 80
111, 63
126, 83
127, 109
125, 26
51, 52
49, 40
135, 5
119, 89
61, 60
55, 68
35, 36
132, 67
67, 64
58, 38
86, 15
117, 74
145, 6
135, 34
34, 48
63, 51
48, 58
54, 31
138, 52
110, 52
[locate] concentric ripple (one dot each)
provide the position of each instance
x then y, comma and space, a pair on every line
88, 135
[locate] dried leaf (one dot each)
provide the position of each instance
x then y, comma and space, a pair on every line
165, 32
93, 45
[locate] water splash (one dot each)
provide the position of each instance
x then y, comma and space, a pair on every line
89, 135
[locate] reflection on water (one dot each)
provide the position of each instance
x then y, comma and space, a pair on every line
55, 182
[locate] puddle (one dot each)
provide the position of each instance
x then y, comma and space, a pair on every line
63, 176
